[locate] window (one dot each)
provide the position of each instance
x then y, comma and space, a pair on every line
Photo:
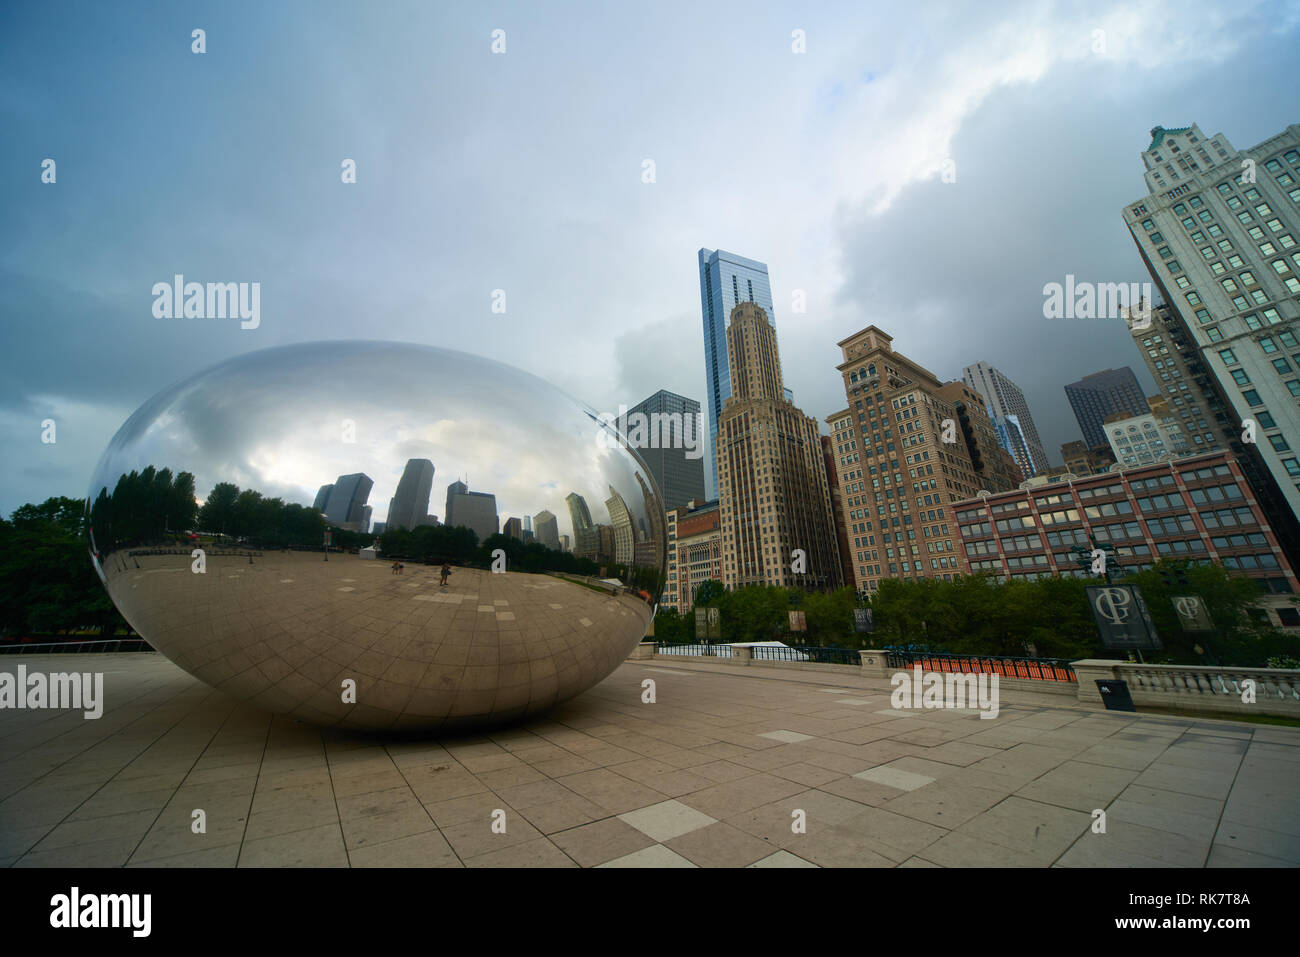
1228, 356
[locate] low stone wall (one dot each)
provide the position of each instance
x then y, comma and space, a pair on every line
1275, 691
1182, 687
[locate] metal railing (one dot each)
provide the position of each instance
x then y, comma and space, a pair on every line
830, 656
1037, 669
87, 647
680, 648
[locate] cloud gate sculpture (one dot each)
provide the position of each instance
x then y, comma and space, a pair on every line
233, 520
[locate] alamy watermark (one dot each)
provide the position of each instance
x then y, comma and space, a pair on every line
917, 689
658, 430
1098, 300
179, 299
60, 689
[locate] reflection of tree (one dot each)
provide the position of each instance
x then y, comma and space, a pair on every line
143, 507
152, 507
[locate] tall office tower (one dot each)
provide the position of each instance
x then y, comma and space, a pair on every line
726, 280
473, 510
566, 543
347, 499
410, 505
624, 537
837, 501
586, 533
548, 529
1010, 414
672, 420
898, 477
528, 523
776, 519
1218, 233
1101, 394
514, 528
366, 512
322, 498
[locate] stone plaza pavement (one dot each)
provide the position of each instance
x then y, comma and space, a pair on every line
709, 775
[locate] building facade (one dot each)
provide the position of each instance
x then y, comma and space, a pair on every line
1081, 460
898, 475
472, 510
1101, 394
347, 501
1197, 508
1218, 232
694, 552
409, 506
1010, 414
680, 477
726, 280
776, 519
547, 528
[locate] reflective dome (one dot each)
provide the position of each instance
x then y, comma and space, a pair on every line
212, 507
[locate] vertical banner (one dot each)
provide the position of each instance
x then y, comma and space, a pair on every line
1122, 618
864, 620
798, 621
1192, 613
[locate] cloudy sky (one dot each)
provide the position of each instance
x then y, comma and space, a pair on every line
523, 172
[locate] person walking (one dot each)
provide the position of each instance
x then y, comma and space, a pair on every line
446, 570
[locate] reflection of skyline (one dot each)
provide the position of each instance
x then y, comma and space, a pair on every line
279, 421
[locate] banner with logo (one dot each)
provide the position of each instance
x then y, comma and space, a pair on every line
1192, 613
798, 621
864, 620
1122, 618
708, 624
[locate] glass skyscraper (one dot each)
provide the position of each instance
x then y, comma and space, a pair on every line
725, 280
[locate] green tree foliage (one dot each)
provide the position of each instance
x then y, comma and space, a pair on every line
47, 582
1242, 634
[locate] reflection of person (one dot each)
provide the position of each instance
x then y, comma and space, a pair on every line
446, 570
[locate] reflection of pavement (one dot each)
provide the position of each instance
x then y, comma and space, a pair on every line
709, 775
287, 629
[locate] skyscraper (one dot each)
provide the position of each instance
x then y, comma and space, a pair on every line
897, 474
548, 529
586, 534
1218, 233
473, 510
775, 504
680, 478
624, 537
409, 507
1101, 394
322, 498
725, 281
347, 499
514, 528
1010, 414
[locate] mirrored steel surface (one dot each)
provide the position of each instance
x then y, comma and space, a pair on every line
268, 614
